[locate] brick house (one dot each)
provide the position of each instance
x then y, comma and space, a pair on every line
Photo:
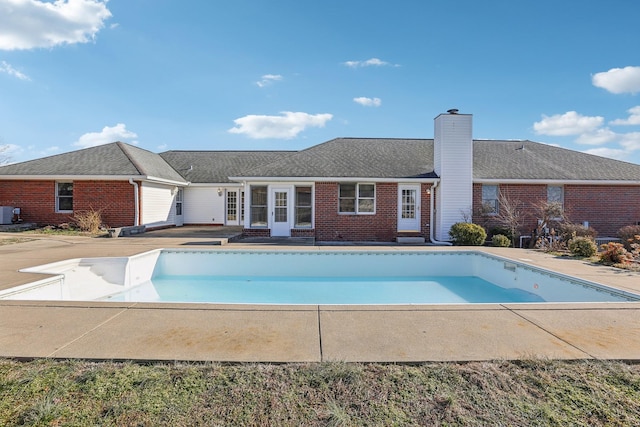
350, 189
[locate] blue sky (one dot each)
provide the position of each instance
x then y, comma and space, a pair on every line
289, 74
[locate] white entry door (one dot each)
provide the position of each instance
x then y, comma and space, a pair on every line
280, 203
409, 207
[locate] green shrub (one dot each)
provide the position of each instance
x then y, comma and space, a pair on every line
500, 240
614, 253
467, 234
500, 230
627, 235
583, 246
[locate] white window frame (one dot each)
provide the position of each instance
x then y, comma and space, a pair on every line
297, 206
254, 206
58, 197
493, 203
551, 199
358, 198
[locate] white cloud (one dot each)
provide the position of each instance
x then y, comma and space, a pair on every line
597, 137
7, 68
612, 153
618, 80
286, 126
108, 134
268, 79
569, 123
28, 24
631, 141
368, 102
373, 62
633, 119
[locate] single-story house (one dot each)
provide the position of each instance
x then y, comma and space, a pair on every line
351, 189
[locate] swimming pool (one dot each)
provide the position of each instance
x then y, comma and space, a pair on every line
309, 277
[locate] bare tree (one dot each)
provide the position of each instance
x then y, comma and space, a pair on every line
510, 215
550, 215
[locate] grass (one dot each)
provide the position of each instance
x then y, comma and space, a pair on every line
54, 231
527, 392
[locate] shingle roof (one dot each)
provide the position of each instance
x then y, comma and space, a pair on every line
115, 159
218, 166
355, 157
374, 158
533, 160
413, 158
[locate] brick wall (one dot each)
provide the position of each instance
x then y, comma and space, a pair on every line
606, 208
381, 227
37, 200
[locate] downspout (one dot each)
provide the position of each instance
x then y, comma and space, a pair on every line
431, 228
136, 202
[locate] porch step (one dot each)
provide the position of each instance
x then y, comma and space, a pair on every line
410, 239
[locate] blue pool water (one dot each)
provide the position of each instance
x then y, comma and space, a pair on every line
356, 277
309, 277
335, 290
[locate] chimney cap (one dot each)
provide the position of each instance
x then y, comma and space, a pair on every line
453, 111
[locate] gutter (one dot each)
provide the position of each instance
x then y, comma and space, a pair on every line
294, 179
431, 202
136, 201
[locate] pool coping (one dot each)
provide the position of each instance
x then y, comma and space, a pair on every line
313, 333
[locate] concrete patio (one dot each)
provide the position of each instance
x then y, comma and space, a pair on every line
241, 333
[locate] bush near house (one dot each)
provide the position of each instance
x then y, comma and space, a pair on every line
569, 230
613, 253
467, 234
89, 221
583, 246
500, 240
627, 235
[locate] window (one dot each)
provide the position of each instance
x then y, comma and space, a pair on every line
64, 196
555, 202
179, 197
357, 198
490, 199
258, 208
303, 207
555, 194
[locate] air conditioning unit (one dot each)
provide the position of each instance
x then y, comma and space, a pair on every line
6, 215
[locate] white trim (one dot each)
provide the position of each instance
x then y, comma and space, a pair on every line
92, 178
357, 198
283, 229
297, 179
401, 224
216, 184
57, 198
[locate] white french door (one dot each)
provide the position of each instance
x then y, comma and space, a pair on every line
234, 207
409, 207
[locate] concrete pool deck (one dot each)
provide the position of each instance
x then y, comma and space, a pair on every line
314, 333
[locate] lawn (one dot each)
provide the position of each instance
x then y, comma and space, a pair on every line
527, 392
